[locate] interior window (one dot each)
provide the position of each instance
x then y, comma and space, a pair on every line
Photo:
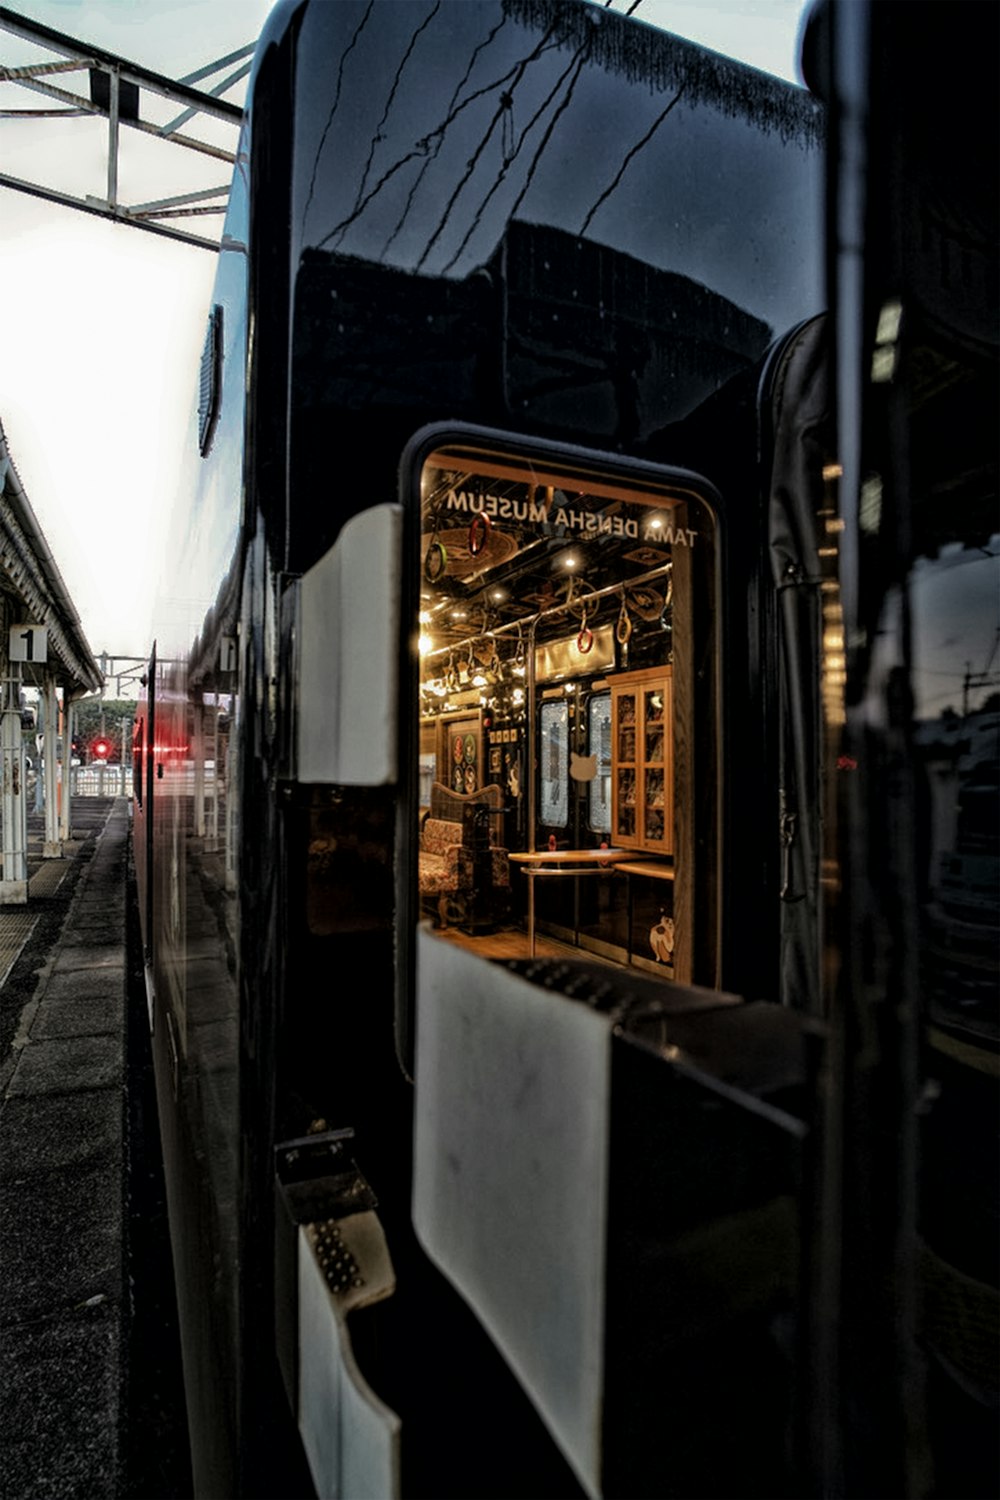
562, 611
553, 766
599, 747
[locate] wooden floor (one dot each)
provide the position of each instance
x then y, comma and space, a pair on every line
512, 942
504, 942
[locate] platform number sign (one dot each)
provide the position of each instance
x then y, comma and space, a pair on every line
28, 642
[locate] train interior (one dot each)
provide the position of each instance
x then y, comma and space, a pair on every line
561, 614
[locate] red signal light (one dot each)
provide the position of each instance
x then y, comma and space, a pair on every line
101, 748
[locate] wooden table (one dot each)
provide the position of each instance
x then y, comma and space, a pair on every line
563, 862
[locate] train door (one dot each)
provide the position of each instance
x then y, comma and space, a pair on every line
573, 733
573, 772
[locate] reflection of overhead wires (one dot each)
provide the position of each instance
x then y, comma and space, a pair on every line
628, 158
460, 85
547, 136
431, 143
500, 115
336, 102
509, 158
377, 134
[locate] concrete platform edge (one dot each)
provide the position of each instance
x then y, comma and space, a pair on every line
63, 1147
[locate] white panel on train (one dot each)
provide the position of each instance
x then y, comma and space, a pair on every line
511, 1176
351, 1438
349, 655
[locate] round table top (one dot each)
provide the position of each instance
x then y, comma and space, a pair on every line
572, 856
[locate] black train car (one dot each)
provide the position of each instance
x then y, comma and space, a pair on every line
505, 965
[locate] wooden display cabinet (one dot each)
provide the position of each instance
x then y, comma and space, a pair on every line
642, 760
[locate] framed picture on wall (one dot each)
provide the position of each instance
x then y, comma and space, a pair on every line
460, 753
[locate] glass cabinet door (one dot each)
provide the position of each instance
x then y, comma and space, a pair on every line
654, 766
642, 766
625, 767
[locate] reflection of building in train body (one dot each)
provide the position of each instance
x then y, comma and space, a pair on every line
961, 758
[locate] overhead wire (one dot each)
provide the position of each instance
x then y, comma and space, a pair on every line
423, 146
547, 135
470, 166
629, 156
336, 103
431, 157
397, 78
501, 176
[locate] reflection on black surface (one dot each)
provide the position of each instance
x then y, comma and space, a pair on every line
960, 762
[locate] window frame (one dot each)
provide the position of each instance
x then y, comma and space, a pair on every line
569, 461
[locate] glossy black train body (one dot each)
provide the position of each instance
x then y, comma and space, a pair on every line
542, 823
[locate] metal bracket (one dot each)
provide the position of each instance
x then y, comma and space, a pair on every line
318, 1179
134, 99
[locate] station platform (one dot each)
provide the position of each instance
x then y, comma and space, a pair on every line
81, 1244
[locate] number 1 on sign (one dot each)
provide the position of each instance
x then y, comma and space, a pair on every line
28, 642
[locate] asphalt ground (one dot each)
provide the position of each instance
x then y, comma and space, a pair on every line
90, 1394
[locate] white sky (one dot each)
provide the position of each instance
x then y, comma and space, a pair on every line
101, 325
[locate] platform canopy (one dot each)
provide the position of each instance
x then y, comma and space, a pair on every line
35, 596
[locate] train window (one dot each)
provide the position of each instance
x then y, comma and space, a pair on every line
553, 764
568, 698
